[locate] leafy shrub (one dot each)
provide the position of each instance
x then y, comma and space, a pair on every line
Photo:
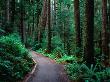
58, 52
59, 55
97, 51
36, 46
77, 51
66, 58
92, 74
51, 55
1, 30
57, 42
29, 42
15, 62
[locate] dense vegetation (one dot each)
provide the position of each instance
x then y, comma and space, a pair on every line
15, 61
73, 32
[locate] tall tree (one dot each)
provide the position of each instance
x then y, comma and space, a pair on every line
7, 11
6, 23
89, 32
42, 21
105, 48
12, 13
22, 29
109, 26
49, 27
77, 23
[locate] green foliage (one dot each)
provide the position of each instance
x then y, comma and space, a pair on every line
51, 55
29, 42
98, 56
66, 58
14, 59
58, 55
78, 52
58, 52
57, 42
92, 74
97, 51
15, 62
2, 31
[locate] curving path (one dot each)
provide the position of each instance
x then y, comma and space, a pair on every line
47, 70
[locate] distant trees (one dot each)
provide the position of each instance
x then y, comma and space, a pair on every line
71, 27
42, 21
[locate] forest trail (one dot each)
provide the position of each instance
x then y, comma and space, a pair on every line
47, 70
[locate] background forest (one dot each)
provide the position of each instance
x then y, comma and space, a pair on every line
73, 32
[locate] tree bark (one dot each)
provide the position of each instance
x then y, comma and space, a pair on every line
77, 24
7, 11
89, 32
49, 28
105, 48
8, 28
22, 29
13, 13
109, 26
42, 21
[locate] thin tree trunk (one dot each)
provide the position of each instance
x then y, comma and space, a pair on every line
49, 28
33, 27
22, 29
77, 24
64, 37
7, 11
55, 13
13, 13
109, 27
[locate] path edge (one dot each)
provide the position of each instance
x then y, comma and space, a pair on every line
32, 72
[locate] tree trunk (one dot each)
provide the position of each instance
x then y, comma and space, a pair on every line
7, 11
105, 48
13, 13
33, 27
89, 32
55, 13
49, 28
22, 29
6, 23
77, 24
109, 27
42, 21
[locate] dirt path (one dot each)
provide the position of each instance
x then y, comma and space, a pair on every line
47, 70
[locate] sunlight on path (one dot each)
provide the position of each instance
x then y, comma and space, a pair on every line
47, 70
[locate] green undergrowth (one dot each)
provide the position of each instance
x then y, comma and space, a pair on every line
66, 58
15, 61
95, 73
51, 55
78, 70
60, 58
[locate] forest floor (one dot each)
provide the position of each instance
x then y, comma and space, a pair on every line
48, 70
